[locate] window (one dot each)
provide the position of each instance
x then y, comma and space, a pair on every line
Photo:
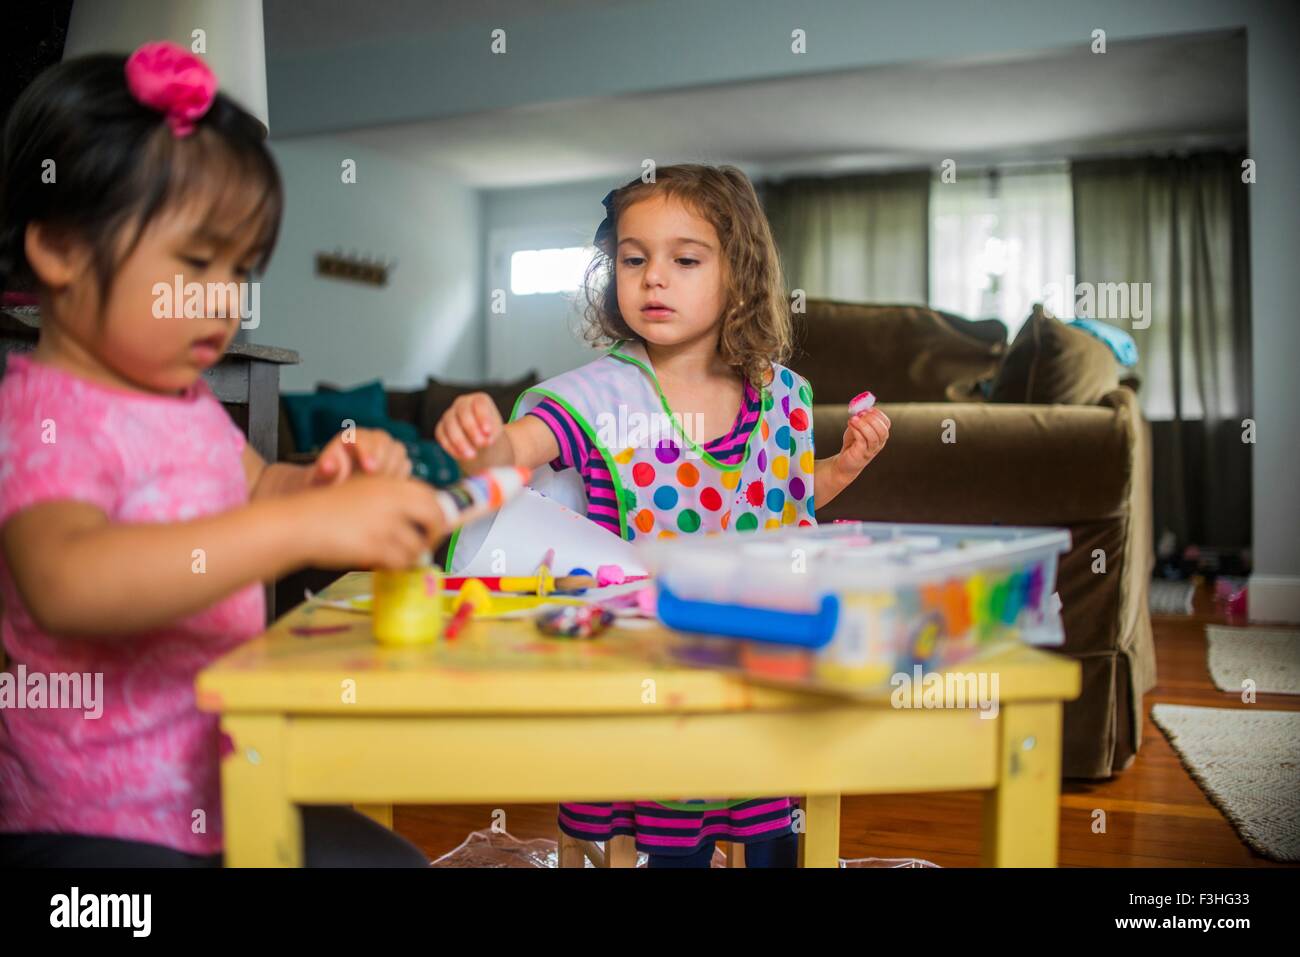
534, 271
1000, 241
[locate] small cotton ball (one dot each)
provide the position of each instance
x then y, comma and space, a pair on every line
861, 403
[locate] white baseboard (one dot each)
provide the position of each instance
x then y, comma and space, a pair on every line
1273, 598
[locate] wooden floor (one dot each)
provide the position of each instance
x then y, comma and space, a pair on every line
1156, 814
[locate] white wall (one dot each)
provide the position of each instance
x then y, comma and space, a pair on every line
424, 322
537, 331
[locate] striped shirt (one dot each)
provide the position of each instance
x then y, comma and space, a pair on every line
578, 452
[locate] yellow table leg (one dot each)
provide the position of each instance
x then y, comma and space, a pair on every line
819, 844
262, 827
379, 813
1021, 815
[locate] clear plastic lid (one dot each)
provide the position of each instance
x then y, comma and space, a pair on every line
796, 565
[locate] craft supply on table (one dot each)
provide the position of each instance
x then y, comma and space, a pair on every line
458, 620
503, 606
574, 621
861, 402
844, 607
528, 583
471, 601
475, 594
610, 575
407, 606
525, 528
475, 496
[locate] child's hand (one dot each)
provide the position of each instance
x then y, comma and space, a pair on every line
472, 423
370, 522
371, 451
864, 437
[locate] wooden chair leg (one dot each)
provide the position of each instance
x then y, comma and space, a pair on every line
571, 851
735, 854
620, 851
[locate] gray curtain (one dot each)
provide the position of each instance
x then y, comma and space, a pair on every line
861, 238
1181, 225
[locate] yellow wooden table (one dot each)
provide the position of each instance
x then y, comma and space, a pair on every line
505, 714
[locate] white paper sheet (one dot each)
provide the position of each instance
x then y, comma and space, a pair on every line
514, 540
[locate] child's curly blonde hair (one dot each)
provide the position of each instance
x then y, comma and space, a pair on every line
756, 318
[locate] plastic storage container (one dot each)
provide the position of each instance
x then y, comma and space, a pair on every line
845, 607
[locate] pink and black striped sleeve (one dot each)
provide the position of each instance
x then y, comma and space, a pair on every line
575, 449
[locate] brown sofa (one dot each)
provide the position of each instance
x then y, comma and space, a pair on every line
1085, 468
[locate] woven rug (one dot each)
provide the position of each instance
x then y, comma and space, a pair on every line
1268, 656
1170, 598
1248, 764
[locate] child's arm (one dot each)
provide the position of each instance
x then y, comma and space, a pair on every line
864, 437
472, 432
371, 451
81, 575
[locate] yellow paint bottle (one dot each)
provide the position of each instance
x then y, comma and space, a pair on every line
407, 607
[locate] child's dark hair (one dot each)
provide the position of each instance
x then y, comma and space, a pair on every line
116, 166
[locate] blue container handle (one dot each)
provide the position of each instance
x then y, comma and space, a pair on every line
807, 630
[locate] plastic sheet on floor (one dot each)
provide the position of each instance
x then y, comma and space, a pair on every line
503, 849
885, 862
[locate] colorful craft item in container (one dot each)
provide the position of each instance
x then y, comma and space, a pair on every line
782, 662
862, 651
902, 595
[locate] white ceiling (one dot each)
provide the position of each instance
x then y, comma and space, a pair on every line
298, 26
1162, 93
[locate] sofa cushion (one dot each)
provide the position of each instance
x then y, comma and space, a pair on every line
438, 397
364, 401
901, 353
1052, 363
969, 390
325, 424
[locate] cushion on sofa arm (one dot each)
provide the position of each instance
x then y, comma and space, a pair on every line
1052, 362
303, 408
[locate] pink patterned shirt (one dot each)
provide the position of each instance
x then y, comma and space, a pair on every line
146, 769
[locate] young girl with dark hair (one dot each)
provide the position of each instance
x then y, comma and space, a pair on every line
136, 524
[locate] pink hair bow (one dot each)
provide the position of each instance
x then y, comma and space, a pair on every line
173, 81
